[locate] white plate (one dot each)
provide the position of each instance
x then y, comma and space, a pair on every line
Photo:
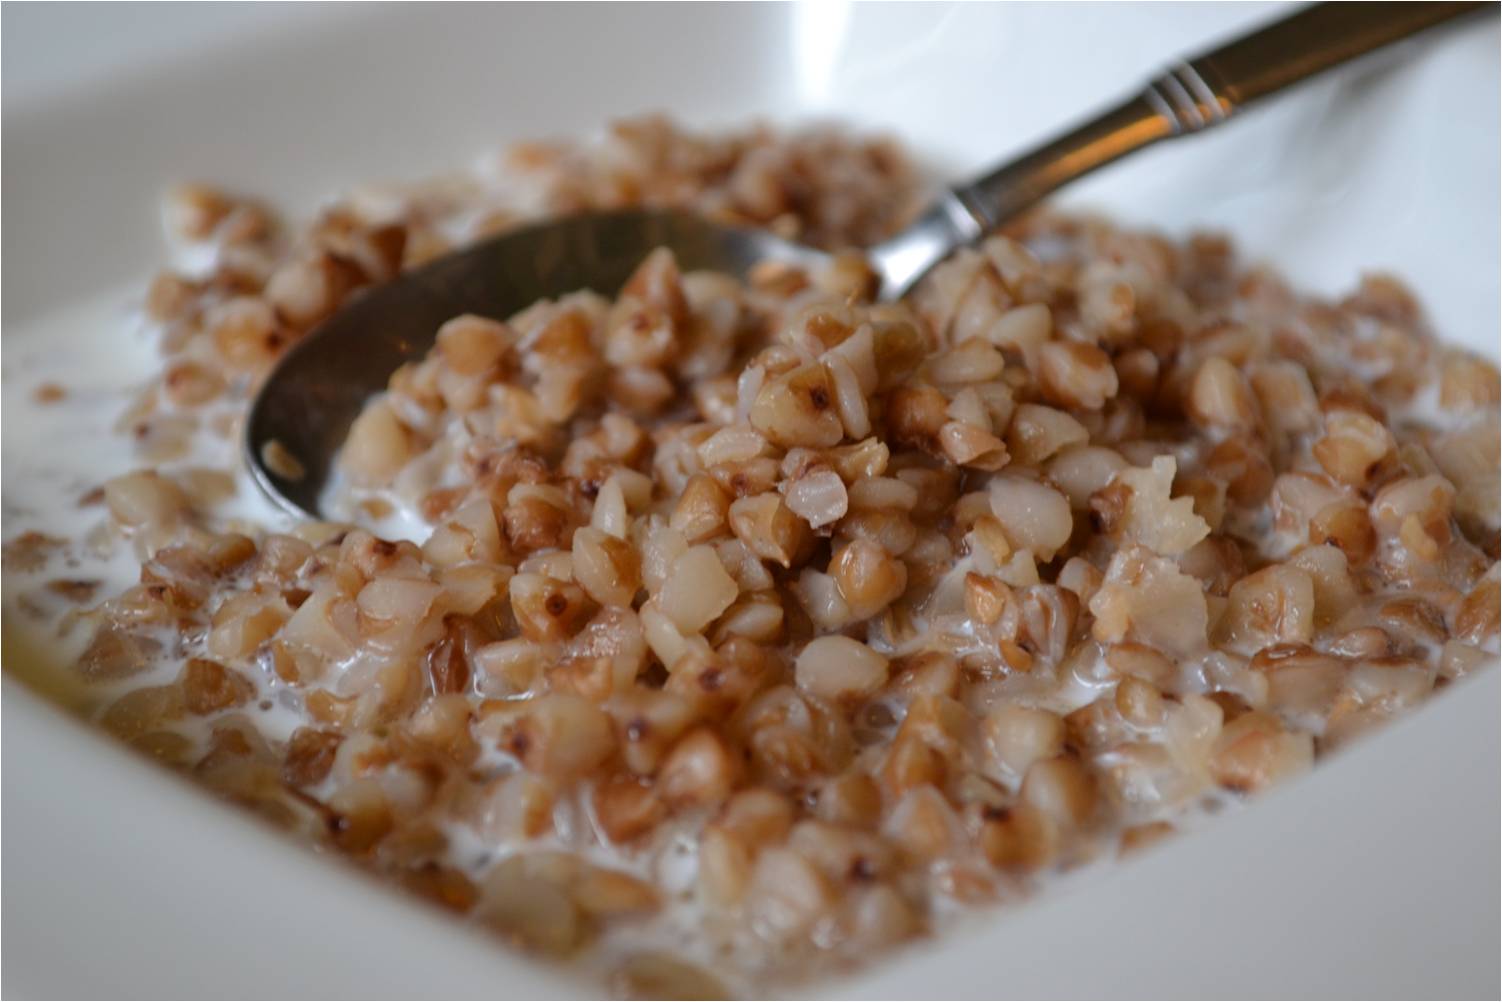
1376, 876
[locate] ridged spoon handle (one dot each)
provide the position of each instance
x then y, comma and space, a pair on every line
1198, 93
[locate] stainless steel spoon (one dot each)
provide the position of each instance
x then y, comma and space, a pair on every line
302, 414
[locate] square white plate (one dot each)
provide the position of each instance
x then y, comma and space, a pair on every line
1377, 876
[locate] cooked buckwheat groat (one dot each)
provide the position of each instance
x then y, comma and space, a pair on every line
734, 629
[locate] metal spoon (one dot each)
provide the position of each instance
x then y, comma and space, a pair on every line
302, 414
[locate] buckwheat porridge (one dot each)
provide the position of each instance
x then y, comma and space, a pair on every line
722, 633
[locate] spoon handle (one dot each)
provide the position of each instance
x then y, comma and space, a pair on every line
1198, 93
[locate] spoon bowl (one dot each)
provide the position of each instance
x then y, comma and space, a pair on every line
305, 410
